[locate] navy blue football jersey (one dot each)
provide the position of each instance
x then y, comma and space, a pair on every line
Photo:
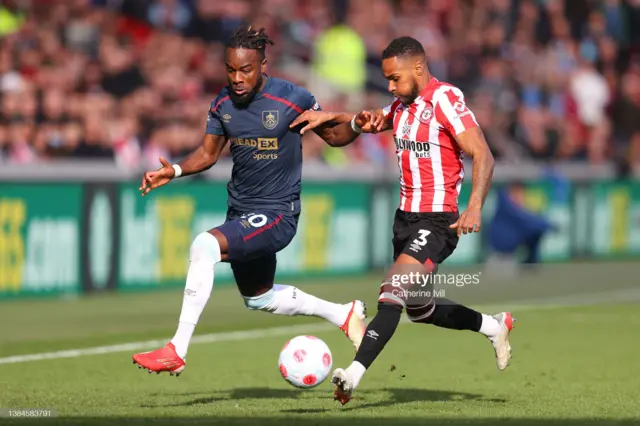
267, 154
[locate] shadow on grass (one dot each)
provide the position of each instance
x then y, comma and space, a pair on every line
353, 414
396, 396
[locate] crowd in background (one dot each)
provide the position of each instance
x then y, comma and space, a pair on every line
130, 80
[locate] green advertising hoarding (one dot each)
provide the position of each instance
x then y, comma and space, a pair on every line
540, 197
66, 238
39, 239
615, 230
556, 207
156, 232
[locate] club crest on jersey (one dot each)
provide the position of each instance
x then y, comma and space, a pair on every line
270, 119
426, 114
459, 106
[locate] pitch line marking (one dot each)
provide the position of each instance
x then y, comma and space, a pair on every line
271, 332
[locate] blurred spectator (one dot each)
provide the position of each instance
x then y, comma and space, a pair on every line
515, 228
339, 64
592, 95
169, 15
11, 17
129, 80
626, 115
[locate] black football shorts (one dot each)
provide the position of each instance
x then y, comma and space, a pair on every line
428, 238
424, 236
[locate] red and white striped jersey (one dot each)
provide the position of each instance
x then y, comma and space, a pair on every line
429, 158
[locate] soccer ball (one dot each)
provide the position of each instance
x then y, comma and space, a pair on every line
305, 361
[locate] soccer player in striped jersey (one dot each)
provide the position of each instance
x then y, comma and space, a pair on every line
432, 128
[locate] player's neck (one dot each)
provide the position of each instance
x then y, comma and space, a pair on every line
263, 83
424, 82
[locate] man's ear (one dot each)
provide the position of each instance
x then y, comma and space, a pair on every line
263, 65
419, 67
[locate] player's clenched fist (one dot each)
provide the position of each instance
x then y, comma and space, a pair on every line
152, 180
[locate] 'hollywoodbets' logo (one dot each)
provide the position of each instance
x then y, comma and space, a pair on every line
421, 149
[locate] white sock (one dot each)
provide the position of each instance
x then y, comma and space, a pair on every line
205, 253
290, 300
355, 371
183, 337
490, 326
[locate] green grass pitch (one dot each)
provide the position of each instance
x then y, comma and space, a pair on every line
576, 360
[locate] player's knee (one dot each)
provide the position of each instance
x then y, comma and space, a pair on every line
264, 302
421, 313
205, 247
391, 294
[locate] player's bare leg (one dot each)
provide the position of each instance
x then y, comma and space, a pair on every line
207, 249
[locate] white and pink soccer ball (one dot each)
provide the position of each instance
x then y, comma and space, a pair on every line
305, 361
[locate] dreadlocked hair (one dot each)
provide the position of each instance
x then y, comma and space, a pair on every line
250, 38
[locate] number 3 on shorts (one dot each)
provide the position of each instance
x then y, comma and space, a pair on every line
256, 220
422, 237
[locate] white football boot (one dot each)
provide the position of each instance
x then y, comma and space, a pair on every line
344, 386
500, 341
354, 326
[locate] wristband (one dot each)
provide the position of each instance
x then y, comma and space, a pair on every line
354, 126
178, 171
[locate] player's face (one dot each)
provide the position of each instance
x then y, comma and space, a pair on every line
403, 78
244, 74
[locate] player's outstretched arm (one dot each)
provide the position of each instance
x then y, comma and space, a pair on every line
339, 129
205, 156
473, 143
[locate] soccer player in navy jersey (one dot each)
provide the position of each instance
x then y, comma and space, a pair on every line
253, 113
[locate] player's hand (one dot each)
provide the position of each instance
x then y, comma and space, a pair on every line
468, 222
313, 119
369, 121
152, 180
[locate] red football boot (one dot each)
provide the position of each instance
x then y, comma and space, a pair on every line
163, 359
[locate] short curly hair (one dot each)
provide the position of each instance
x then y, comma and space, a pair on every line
403, 47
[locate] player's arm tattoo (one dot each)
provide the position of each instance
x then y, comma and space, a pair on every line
205, 156
473, 143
